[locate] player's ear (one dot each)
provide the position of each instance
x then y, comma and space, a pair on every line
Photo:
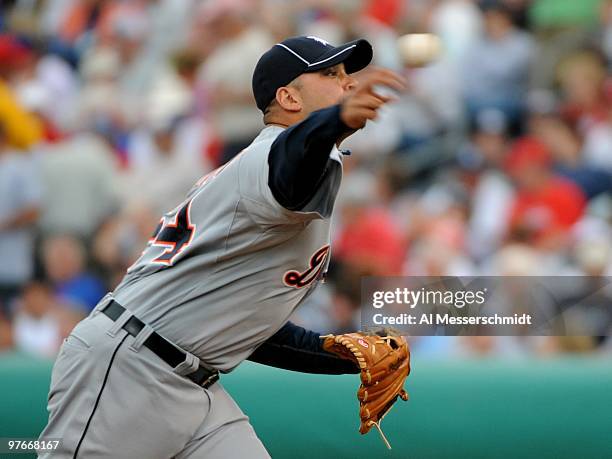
288, 98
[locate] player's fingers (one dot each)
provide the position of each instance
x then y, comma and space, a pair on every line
366, 113
382, 77
391, 82
372, 71
382, 98
370, 101
357, 117
372, 96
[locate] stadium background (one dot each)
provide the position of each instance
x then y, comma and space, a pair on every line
496, 161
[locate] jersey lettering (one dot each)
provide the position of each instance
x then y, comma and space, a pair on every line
174, 234
317, 263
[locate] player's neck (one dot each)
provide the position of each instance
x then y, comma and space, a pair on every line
277, 124
284, 119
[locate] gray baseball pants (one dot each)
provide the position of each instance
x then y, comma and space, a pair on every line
111, 397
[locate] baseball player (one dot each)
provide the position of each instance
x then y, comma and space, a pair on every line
220, 277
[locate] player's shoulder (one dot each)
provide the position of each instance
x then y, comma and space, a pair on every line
266, 138
257, 152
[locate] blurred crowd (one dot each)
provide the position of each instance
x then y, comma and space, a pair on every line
496, 161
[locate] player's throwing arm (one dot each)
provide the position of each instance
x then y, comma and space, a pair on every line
363, 103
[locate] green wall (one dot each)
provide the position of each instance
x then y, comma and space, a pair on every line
463, 409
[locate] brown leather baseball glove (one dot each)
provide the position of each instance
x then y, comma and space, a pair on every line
384, 360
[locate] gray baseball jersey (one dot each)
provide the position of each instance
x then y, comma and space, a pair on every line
226, 268
222, 273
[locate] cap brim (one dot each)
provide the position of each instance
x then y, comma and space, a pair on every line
355, 55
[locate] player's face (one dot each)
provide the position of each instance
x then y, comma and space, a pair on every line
324, 88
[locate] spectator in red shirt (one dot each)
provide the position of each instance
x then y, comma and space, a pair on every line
545, 205
370, 242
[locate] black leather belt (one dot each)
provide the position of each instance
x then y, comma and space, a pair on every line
161, 346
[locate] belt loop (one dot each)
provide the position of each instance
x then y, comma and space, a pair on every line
119, 323
141, 338
102, 304
188, 366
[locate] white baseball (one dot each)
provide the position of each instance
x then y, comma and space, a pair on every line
419, 49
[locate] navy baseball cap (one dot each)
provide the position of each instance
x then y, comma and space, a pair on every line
287, 60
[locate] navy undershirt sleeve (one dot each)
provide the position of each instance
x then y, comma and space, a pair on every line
297, 349
299, 157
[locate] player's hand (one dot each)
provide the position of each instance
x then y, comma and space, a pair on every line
363, 102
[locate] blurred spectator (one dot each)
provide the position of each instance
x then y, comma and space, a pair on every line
369, 240
491, 82
491, 191
51, 79
20, 200
459, 24
41, 323
566, 150
563, 27
161, 181
99, 71
83, 18
64, 259
120, 240
136, 67
78, 176
587, 97
227, 71
546, 205
438, 245
21, 128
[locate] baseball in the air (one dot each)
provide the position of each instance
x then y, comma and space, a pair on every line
419, 49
